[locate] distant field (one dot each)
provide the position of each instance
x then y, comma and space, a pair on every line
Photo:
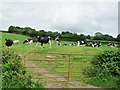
13, 37
63, 49
23, 49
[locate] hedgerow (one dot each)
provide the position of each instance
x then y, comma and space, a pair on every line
13, 72
106, 70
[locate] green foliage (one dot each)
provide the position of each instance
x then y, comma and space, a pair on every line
104, 81
88, 37
104, 37
66, 36
14, 74
23, 49
98, 34
118, 38
106, 69
12, 36
108, 63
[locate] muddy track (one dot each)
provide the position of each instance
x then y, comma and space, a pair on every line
54, 82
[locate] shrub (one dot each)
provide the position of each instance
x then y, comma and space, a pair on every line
14, 74
106, 69
107, 63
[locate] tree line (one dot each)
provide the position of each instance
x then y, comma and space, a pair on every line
64, 35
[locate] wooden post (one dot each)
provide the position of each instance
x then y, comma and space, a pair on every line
69, 68
24, 60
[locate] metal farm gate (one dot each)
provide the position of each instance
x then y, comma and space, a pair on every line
58, 66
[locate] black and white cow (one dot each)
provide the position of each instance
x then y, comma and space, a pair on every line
8, 42
44, 40
16, 41
57, 40
35, 40
64, 44
59, 44
97, 44
112, 45
73, 44
81, 43
94, 44
28, 41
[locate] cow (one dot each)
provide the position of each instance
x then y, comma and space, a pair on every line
90, 44
57, 40
81, 43
9, 42
59, 44
28, 41
94, 44
35, 40
72, 44
112, 45
64, 44
16, 41
78, 43
44, 40
97, 44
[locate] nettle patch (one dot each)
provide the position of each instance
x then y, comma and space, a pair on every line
13, 72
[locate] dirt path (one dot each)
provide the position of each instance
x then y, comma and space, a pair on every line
54, 82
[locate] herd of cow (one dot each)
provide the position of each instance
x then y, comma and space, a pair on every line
44, 40
37, 40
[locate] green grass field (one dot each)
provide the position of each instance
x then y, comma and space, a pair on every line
65, 49
0, 59
24, 49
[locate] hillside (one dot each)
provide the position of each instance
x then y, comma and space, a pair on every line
24, 49
13, 37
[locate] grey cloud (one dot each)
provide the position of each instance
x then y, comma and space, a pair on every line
91, 18
84, 17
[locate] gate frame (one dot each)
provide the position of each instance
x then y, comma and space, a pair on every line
69, 60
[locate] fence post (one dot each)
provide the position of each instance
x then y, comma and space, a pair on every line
24, 61
69, 68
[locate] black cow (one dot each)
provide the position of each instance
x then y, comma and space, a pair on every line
8, 42
44, 40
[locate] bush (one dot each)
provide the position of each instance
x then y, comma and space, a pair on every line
14, 74
106, 69
107, 63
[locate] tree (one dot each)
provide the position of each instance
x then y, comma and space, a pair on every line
88, 37
118, 38
103, 37
98, 34
11, 29
82, 37
108, 37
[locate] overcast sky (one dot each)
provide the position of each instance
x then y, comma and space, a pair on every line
60, 15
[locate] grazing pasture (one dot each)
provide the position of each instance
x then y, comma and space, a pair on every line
24, 49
